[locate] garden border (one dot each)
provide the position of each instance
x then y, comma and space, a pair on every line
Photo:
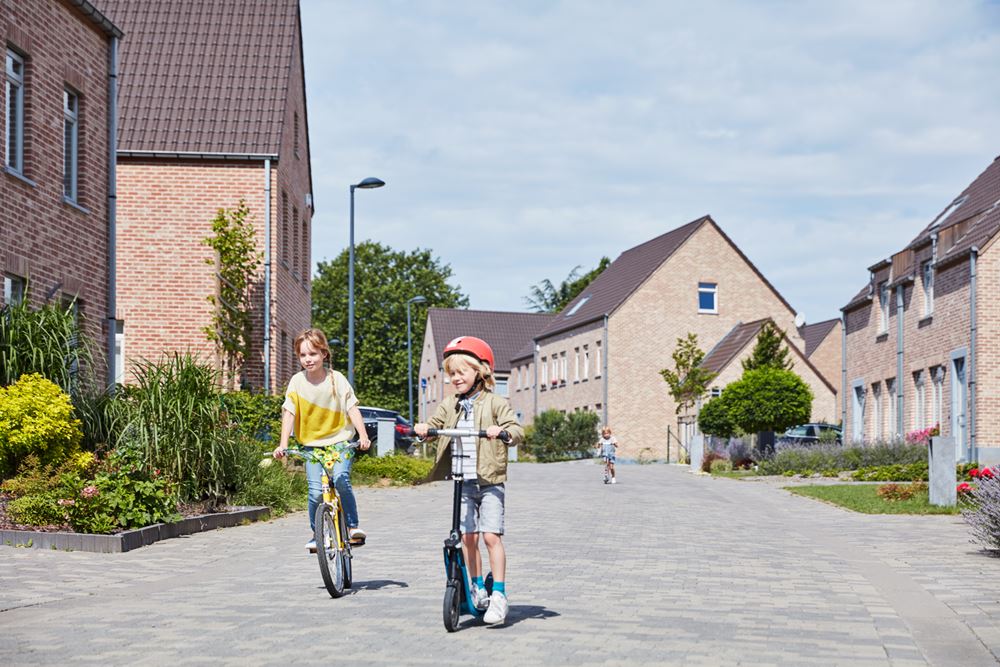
131, 539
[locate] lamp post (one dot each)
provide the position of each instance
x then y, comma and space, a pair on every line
366, 184
409, 352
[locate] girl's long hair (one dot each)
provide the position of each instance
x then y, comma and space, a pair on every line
317, 339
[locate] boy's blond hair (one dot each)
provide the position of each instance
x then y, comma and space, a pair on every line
482, 368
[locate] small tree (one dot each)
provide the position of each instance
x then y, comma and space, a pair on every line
237, 261
688, 381
769, 351
768, 399
714, 419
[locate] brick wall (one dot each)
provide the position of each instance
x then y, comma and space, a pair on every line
828, 360
987, 424
60, 247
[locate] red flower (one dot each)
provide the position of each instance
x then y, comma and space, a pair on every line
974, 473
986, 473
964, 488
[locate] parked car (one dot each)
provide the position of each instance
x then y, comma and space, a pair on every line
403, 440
807, 434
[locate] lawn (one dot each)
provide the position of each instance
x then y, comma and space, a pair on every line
864, 498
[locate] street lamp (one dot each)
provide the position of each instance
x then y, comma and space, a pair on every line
366, 184
409, 351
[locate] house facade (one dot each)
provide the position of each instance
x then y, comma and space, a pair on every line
605, 350
922, 338
213, 112
56, 221
506, 333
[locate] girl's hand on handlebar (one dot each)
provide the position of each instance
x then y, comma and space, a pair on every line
279, 451
364, 444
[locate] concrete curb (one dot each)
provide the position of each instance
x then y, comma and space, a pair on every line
131, 539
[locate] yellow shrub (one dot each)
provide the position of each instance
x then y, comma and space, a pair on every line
36, 417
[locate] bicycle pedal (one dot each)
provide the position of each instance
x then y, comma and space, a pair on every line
357, 541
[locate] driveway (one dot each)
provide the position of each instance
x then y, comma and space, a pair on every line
666, 567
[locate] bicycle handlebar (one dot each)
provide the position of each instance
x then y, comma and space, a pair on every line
462, 433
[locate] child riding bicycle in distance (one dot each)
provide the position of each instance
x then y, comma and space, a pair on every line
322, 411
608, 446
469, 363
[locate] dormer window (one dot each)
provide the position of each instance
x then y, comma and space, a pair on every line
579, 304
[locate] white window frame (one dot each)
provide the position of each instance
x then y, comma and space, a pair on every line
545, 371
576, 365
502, 386
713, 290
14, 288
119, 352
563, 367
878, 414
919, 401
586, 362
937, 395
927, 280
890, 389
597, 360
14, 139
71, 144
883, 307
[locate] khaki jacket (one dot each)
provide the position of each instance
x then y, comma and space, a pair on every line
491, 455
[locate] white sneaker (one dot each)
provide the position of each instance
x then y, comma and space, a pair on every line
311, 546
497, 612
614, 480
358, 535
480, 598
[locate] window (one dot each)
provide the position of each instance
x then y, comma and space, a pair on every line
295, 130
586, 362
545, 371
937, 394
13, 290
576, 365
71, 143
15, 112
927, 278
877, 414
306, 272
858, 411
597, 360
295, 259
890, 391
716, 392
578, 305
563, 367
883, 305
919, 401
119, 352
502, 388
707, 293
284, 229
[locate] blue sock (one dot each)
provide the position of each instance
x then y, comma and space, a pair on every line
478, 582
498, 587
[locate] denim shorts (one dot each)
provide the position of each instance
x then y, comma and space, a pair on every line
482, 507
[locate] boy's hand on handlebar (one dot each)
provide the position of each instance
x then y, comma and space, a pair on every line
493, 432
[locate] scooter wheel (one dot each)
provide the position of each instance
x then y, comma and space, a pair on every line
452, 607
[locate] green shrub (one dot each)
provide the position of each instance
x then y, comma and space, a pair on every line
892, 473
256, 415
36, 417
399, 468
46, 341
36, 510
721, 465
558, 437
260, 480
799, 459
897, 492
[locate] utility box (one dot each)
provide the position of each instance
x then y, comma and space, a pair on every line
942, 459
697, 449
385, 442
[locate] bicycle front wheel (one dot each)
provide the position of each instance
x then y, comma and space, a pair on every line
328, 549
345, 538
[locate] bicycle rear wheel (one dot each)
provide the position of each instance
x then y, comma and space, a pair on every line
331, 556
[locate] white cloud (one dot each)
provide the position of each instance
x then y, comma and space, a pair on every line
552, 133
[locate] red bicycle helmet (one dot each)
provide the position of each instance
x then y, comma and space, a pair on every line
475, 347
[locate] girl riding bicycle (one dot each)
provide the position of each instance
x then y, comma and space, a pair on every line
321, 409
468, 361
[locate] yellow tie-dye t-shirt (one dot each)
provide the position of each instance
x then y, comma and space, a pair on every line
321, 409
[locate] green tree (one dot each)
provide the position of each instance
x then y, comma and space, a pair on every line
768, 399
557, 437
237, 261
769, 352
713, 418
545, 297
688, 381
384, 279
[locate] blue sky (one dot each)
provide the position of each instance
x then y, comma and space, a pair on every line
521, 139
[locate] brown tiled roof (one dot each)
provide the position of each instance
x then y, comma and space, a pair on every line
627, 273
814, 334
506, 332
204, 77
731, 344
971, 219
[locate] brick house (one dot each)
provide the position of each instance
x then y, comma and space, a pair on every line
56, 218
604, 351
823, 347
922, 338
213, 111
506, 333
726, 358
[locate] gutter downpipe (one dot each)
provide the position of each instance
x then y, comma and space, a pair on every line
535, 349
843, 372
900, 289
973, 256
604, 370
267, 276
112, 314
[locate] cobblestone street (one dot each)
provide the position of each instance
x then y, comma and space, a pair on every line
665, 567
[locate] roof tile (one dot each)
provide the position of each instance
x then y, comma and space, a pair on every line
506, 332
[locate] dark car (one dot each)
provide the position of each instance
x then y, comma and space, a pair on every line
403, 440
808, 434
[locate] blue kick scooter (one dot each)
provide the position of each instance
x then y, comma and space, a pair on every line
458, 591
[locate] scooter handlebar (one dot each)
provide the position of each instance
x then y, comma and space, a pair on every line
461, 433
